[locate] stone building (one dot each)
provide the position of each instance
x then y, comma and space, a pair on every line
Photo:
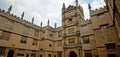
97, 37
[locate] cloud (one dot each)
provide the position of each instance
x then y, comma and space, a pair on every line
42, 10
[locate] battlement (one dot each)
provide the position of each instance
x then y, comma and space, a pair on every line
98, 11
16, 18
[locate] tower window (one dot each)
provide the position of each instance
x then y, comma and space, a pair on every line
72, 40
71, 31
50, 45
70, 21
50, 34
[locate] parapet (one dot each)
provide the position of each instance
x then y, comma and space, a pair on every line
98, 11
6, 14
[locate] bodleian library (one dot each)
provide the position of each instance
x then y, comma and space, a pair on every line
97, 37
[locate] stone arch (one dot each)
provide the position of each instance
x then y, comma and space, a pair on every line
10, 53
72, 54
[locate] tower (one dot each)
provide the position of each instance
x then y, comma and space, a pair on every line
71, 17
76, 1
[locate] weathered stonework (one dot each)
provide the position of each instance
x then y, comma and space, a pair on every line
75, 38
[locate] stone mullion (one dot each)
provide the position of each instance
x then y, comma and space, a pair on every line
15, 53
6, 52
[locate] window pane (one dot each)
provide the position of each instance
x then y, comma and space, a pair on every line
2, 50
88, 53
101, 16
86, 39
104, 26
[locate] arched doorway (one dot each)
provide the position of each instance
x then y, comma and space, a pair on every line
10, 53
72, 54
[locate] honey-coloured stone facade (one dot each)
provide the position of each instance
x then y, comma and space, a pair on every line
97, 37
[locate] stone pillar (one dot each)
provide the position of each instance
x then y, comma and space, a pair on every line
6, 52
30, 54
25, 53
37, 54
15, 53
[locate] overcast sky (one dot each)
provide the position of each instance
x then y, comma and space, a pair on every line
42, 10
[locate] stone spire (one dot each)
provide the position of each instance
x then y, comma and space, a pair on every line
48, 22
89, 6
32, 20
22, 15
41, 24
10, 8
63, 7
55, 25
76, 1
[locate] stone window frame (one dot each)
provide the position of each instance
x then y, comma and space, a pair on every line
71, 31
5, 35
9, 24
35, 42
71, 41
86, 39
60, 34
2, 50
59, 43
101, 15
21, 52
49, 55
70, 21
50, 45
26, 30
110, 46
88, 53
23, 40
104, 26
36, 33
84, 28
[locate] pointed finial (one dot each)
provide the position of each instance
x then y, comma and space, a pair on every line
89, 6
22, 15
76, 1
32, 20
48, 21
63, 6
55, 25
10, 8
41, 24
